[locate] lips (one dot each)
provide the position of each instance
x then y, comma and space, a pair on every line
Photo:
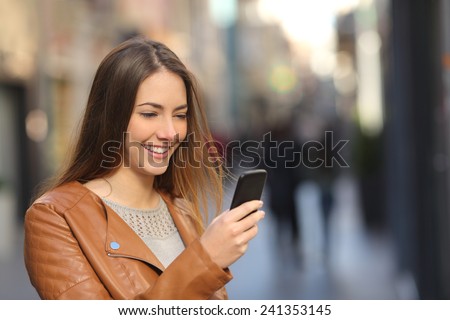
156, 149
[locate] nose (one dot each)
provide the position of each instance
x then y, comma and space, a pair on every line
166, 131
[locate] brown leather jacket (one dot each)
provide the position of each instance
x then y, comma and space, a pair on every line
76, 247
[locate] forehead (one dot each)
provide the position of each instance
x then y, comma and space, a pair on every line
163, 87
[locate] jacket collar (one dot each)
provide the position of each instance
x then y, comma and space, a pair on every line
122, 241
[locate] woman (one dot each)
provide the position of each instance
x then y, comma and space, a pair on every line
122, 220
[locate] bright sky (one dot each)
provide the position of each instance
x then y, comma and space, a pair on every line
306, 21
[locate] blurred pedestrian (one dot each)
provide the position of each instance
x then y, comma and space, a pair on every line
325, 175
282, 161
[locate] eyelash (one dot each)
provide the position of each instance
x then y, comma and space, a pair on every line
148, 114
153, 114
181, 116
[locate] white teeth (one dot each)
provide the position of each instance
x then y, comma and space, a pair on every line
154, 149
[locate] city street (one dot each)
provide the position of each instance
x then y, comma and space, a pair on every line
359, 265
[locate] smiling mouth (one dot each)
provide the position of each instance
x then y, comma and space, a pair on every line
156, 149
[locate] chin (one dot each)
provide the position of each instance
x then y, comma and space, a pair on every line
155, 171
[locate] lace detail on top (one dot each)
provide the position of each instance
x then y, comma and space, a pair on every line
156, 223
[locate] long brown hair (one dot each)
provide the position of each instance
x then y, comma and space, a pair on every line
191, 174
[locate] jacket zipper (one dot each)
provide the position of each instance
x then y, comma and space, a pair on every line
115, 255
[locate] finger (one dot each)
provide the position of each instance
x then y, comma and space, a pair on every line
244, 209
251, 220
249, 234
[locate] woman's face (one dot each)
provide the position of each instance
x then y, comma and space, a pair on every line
158, 123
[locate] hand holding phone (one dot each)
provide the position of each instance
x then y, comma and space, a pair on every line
249, 187
226, 240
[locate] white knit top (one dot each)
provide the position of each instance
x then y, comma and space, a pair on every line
155, 227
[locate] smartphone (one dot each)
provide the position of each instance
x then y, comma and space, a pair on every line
249, 187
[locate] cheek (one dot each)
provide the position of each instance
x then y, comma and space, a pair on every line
137, 130
181, 129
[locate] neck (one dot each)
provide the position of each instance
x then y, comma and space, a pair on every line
133, 189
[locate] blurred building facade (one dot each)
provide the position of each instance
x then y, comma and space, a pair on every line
51, 49
416, 142
379, 71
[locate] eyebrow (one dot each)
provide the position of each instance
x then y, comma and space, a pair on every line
159, 106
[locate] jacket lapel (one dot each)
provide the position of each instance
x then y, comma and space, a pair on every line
131, 245
122, 241
182, 220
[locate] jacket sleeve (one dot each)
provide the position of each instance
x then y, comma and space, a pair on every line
54, 261
192, 275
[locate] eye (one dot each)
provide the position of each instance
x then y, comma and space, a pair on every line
148, 114
181, 116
